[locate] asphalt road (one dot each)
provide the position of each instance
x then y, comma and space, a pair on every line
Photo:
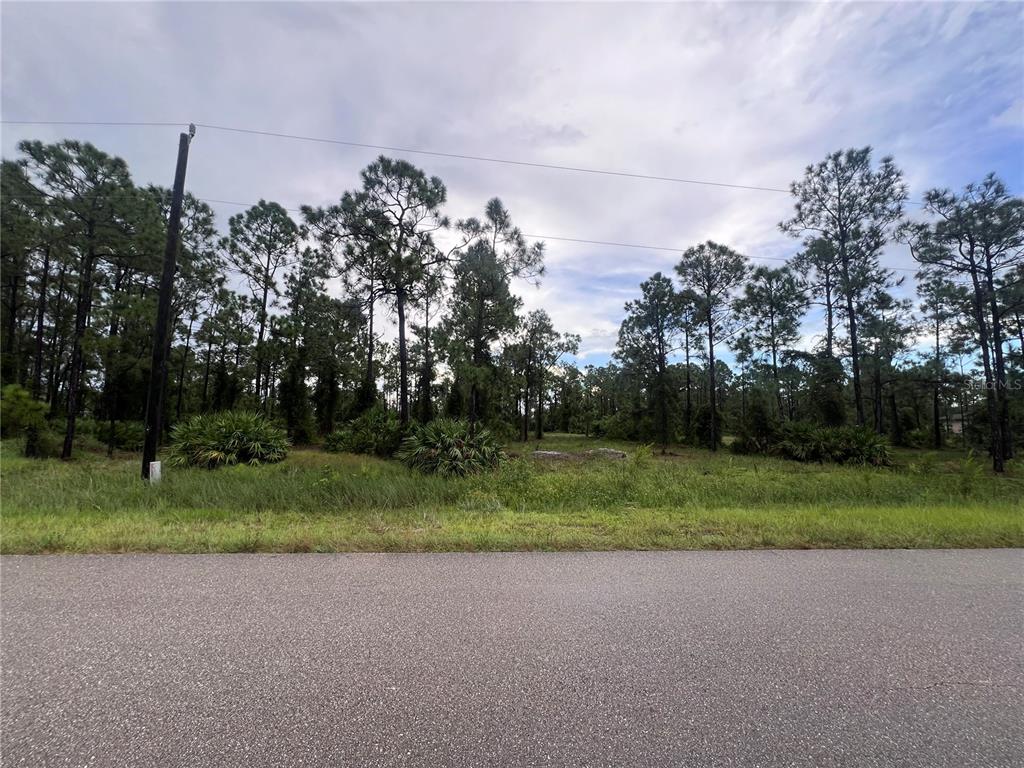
599, 659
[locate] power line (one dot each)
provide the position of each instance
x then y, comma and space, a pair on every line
242, 205
582, 241
412, 151
408, 150
579, 240
666, 248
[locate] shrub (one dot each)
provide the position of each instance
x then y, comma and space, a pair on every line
128, 435
919, 438
798, 440
843, 445
757, 432
42, 443
448, 448
702, 427
19, 411
376, 432
617, 426
233, 437
826, 390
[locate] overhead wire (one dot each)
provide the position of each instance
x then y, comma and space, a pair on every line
479, 158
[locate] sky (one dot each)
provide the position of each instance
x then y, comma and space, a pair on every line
737, 93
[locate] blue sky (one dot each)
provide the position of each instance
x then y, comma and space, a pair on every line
744, 93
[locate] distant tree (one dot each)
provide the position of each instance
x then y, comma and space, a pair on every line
940, 303
200, 269
22, 207
648, 335
825, 389
429, 301
713, 272
391, 220
538, 348
818, 266
977, 236
888, 328
93, 194
1011, 287
296, 334
689, 326
358, 258
850, 205
483, 307
262, 242
773, 304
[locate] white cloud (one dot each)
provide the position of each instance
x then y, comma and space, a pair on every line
1011, 117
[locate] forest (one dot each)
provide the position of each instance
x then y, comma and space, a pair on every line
381, 307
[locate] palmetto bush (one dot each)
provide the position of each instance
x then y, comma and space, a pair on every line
842, 445
857, 445
234, 437
449, 448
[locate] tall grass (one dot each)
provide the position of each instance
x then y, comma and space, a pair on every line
318, 501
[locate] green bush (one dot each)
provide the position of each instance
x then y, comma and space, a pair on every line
128, 435
42, 443
702, 427
377, 432
842, 445
919, 438
233, 437
757, 432
19, 411
448, 448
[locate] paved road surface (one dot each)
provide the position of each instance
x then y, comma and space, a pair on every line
601, 659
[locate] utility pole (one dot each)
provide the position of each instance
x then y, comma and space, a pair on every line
158, 369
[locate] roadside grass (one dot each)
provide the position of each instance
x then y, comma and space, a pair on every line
686, 499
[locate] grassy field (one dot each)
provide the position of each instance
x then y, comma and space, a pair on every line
689, 499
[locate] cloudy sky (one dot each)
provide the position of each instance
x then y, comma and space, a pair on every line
741, 93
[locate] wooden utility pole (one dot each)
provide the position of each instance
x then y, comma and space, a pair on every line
158, 369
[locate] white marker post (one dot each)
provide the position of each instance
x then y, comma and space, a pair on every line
154, 472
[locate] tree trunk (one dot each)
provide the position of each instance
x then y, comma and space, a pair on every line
775, 379
11, 372
403, 362
829, 318
184, 364
876, 404
897, 428
851, 314
259, 343
37, 367
936, 405
662, 396
712, 395
540, 405
1002, 401
994, 424
526, 413
427, 373
206, 372
77, 355
56, 342
370, 378
689, 399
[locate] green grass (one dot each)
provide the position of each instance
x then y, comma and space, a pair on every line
689, 499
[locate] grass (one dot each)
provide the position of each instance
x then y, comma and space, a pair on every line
689, 499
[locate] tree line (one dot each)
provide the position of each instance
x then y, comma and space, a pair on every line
256, 327
877, 362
